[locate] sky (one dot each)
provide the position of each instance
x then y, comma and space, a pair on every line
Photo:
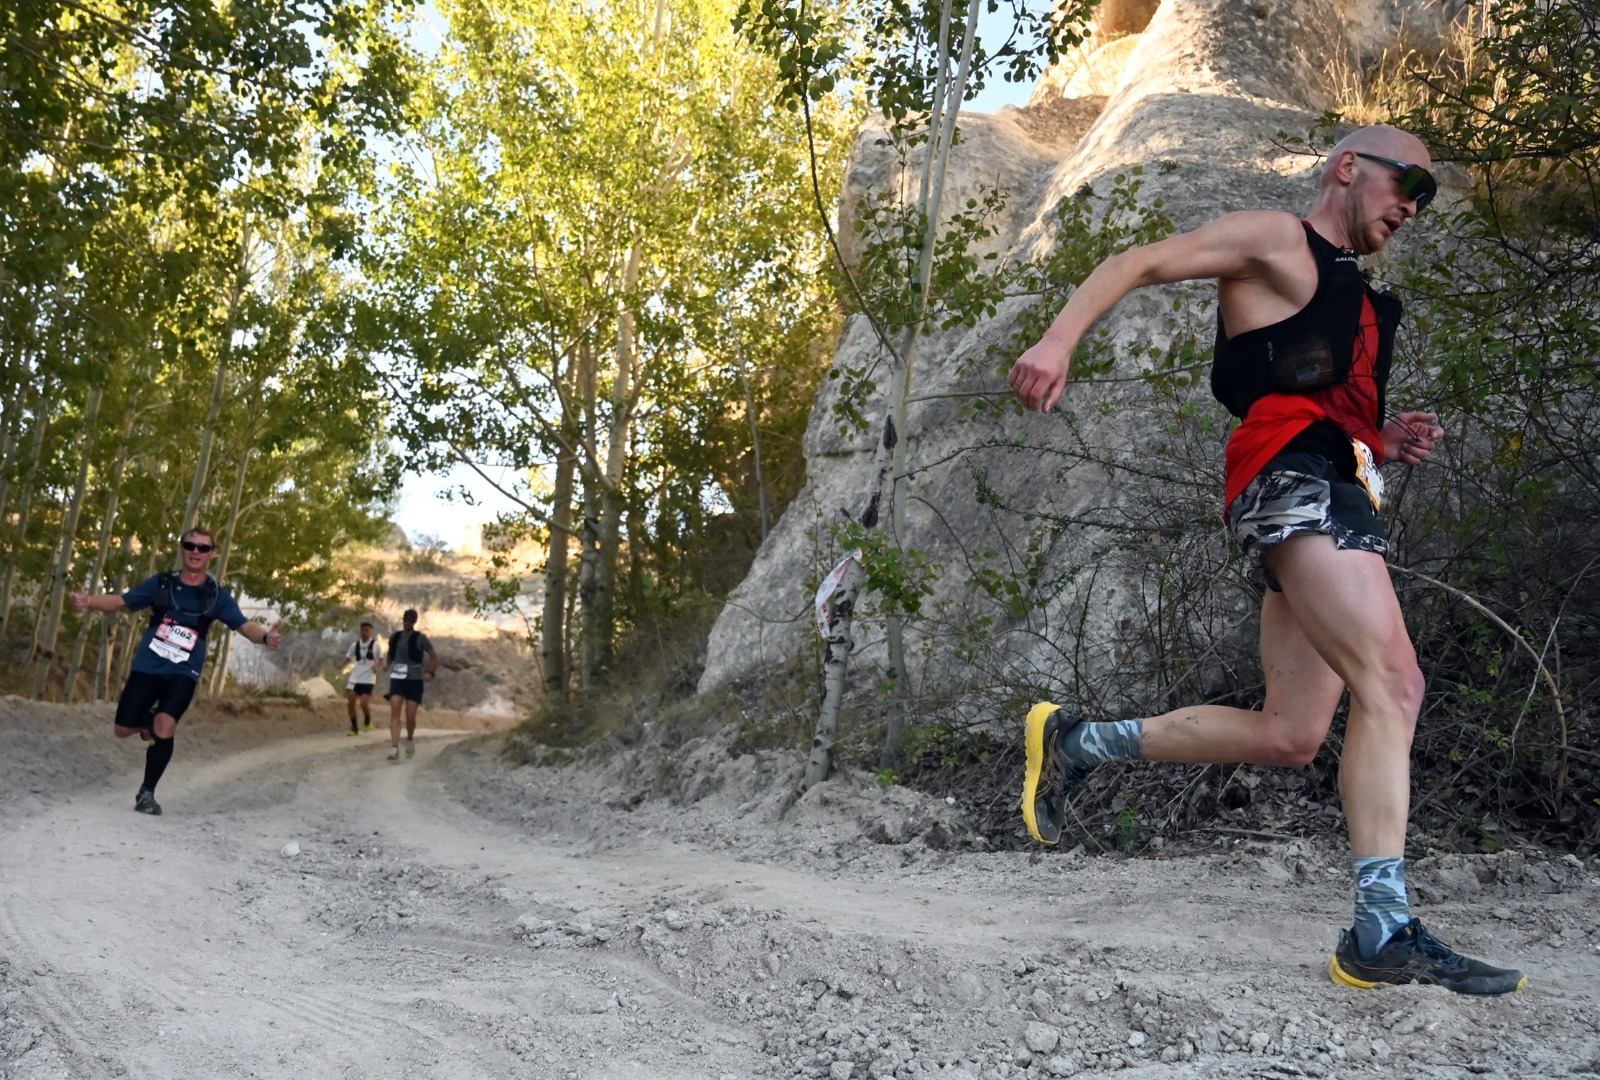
422, 513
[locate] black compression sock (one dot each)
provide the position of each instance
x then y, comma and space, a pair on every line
156, 759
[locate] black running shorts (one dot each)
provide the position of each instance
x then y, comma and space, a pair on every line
1299, 493
362, 689
144, 695
410, 689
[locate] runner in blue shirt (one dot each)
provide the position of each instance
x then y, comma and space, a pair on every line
167, 663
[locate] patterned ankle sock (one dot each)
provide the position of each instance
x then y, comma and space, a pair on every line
1381, 904
1118, 740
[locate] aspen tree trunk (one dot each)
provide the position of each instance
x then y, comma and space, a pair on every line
219, 669
152, 563
134, 633
113, 633
755, 446
10, 421
219, 383
102, 553
618, 438
51, 629
890, 456
835, 674
589, 655
553, 624
24, 505
931, 200
588, 530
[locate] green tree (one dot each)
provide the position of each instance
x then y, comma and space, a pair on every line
915, 64
596, 271
141, 148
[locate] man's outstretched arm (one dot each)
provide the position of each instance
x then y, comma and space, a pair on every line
1236, 247
254, 632
103, 602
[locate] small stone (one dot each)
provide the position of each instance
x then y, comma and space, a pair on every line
1171, 1054
1501, 913
291, 849
841, 1070
1137, 1039
1061, 1066
1259, 1040
1380, 1049
774, 965
1040, 1038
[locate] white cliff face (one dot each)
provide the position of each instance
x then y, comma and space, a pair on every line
1198, 96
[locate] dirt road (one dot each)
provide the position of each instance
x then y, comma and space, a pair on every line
449, 917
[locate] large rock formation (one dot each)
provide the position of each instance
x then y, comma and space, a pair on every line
1197, 91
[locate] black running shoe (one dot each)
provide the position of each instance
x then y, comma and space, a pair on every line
1047, 779
146, 803
1415, 955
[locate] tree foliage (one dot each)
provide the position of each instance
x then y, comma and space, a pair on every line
594, 270
175, 192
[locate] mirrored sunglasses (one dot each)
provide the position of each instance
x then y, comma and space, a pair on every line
1416, 182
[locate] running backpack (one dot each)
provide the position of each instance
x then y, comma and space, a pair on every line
371, 645
210, 597
415, 649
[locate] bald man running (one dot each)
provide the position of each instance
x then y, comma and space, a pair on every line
1302, 358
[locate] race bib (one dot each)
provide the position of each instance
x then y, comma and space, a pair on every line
399, 671
1367, 473
173, 642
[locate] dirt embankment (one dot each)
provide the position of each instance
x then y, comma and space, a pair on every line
675, 917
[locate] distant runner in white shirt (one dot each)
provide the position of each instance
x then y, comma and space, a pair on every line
366, 653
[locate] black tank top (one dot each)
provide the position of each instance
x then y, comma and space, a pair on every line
1312, 348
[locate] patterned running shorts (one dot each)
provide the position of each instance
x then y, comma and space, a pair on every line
1297, 494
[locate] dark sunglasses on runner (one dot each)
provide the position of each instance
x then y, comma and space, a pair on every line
190, 545
1415, 181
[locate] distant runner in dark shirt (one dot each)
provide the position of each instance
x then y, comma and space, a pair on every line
412, 663
167, 663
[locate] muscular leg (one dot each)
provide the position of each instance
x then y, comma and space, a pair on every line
395, 704
1337, 623
411, 719
1346, 607
1302, 694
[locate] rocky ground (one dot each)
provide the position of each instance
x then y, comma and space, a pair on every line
306, 909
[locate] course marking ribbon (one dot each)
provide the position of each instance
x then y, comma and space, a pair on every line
830, 584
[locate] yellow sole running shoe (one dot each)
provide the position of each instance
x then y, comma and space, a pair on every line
1046, 782
1414, 955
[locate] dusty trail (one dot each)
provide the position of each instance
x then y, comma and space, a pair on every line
450, 917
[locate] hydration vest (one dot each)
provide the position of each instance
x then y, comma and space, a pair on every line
414, 648
1312, 348
371, 646
210, 596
